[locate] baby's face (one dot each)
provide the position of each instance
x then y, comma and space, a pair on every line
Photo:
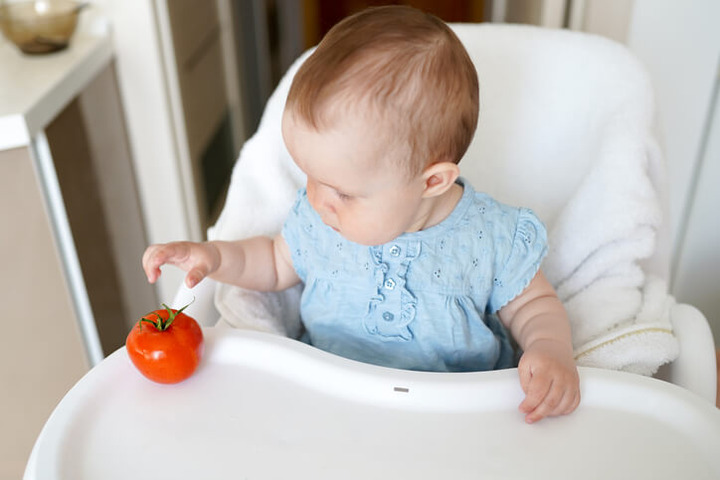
354, 182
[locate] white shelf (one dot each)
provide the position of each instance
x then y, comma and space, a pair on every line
34, 89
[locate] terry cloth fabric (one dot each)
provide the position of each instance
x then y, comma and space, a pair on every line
262, 190
565, 129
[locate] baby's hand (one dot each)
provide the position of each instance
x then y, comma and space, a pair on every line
550, 382
197, 259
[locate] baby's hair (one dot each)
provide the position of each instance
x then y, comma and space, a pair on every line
408, 67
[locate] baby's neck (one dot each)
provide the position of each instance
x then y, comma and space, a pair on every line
439, 208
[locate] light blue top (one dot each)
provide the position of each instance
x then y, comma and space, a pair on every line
424, 301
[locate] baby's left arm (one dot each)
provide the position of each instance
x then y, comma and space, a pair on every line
548, 375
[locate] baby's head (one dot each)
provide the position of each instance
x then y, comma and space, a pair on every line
378, 118
400, 70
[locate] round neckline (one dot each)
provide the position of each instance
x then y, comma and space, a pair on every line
448, 222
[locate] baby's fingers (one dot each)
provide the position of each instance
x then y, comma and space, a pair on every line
550, 390
557, 401
150, 263
158, 255
536, 387
194, 276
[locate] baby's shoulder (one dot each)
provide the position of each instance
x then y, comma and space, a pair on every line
489, 221
486, 211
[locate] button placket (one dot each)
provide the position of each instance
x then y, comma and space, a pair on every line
393, 259
398, 310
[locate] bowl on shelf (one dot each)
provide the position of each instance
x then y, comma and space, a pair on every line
40, 26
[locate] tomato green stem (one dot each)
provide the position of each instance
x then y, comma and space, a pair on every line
160, 324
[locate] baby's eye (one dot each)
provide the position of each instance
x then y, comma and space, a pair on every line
343, 197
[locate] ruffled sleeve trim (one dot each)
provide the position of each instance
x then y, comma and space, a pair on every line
527, 251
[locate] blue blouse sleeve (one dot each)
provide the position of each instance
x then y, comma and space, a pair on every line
293, 233
518, 259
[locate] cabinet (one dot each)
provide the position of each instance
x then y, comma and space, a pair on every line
72, 234
41, 349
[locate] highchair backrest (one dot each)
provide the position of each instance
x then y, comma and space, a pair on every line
553, 104
565, 128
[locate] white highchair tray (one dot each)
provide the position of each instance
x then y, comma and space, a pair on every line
265, 407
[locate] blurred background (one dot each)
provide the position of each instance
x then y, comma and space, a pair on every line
144, 151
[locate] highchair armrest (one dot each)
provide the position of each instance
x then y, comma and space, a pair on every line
202, 307
695, 368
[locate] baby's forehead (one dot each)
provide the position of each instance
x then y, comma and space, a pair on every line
385, 143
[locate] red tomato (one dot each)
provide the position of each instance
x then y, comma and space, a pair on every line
166, 345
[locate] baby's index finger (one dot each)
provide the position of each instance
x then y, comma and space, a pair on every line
148, 261
167, 253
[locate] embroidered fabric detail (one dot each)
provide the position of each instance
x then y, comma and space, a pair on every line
528, 248
393, 307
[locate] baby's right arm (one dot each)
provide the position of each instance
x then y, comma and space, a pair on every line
258, 263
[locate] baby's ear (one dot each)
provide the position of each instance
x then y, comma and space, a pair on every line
439, 177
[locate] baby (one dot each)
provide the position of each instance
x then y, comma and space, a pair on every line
403, 263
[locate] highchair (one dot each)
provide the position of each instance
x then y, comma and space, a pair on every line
566, 128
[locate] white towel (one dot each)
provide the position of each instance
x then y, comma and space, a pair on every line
638, 343
619, 314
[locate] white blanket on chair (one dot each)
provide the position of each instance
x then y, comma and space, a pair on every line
620, 315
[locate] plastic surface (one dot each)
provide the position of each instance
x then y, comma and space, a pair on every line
695, 369
265, 407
